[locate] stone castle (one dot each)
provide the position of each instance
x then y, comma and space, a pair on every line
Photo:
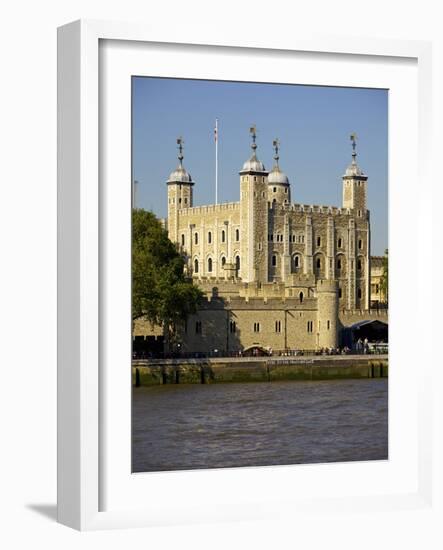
277, 274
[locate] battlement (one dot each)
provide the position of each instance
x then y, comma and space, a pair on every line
259, 303
209, 209
318, 209
326, 285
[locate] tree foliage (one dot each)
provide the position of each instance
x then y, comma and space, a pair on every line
160, 291
384, 281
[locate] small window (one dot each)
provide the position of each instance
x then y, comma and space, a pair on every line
275, 189
339, 243
223, 236
318, 241
277, 326
328, 325
223, 261
198, 327
297, 261
196, 238
237, 263
232, 327
186, 200
274, 260
318, 263
256, 327
359, 292
340, 293
310, 326
286, 190
209, 237
183, 240
339, 263
196, 266
209, 265
237, 234
359, 265
179, 201
360, 244
300, 297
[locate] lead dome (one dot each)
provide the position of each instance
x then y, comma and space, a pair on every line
276, 175
180, 175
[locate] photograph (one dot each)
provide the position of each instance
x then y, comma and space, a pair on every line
259, 274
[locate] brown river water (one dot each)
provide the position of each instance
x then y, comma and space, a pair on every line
183, 427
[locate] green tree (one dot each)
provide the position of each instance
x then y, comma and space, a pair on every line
384, 280
160, 290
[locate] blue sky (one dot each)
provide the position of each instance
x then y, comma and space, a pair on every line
313, 124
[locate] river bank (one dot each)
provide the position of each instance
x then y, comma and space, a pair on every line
257, 369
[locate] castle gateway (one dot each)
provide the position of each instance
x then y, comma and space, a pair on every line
277, 275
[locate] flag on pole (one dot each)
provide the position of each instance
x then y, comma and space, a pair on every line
216, 159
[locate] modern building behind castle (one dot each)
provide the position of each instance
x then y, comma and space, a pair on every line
277, 274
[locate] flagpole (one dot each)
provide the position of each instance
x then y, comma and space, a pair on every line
216, 161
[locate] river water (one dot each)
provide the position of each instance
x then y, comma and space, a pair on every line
183, 427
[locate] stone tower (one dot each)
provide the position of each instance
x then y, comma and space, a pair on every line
327, 313
279, 190
354, 185
179, 193
254, 218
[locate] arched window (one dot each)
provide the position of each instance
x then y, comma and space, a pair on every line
209, 237
300, 296
318, 263
209, 265
195, 265
237, 234
274, 260
223, 236
196, 238
223, 261
296, 261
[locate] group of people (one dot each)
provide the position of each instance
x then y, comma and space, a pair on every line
362, 346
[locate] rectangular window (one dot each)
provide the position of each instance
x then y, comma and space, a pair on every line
198, 327
256, 327
277, 326
310, 326
329, 325
232, 327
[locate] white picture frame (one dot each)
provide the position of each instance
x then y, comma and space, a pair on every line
84, 210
